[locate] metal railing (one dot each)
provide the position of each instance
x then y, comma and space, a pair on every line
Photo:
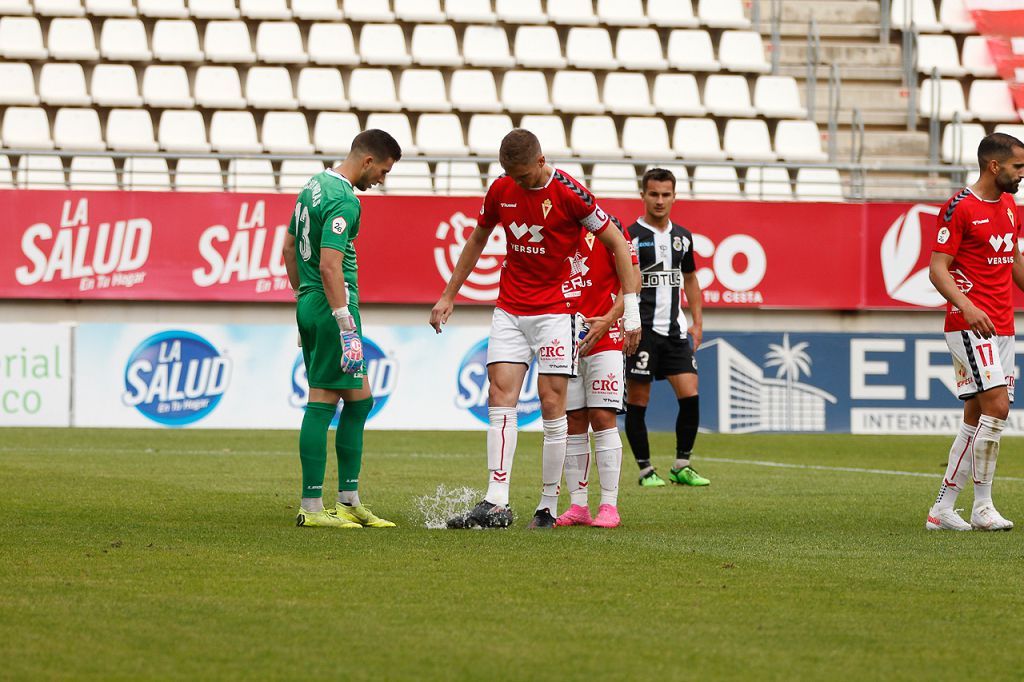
934, 116
885, 19
813, 55
776, 34
834, 88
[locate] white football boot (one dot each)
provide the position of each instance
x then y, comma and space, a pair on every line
945, 519
985, 517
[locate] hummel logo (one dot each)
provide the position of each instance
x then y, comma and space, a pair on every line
979, 222
520, 230
504, 205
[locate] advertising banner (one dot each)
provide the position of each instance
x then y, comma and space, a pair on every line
35, 375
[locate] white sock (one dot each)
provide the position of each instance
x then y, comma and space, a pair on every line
608, 451
577, 466
312, 504
985, 452
958, 470
502, 435
552, 462
349, 497
681, 462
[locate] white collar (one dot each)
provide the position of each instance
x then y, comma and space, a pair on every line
338, 175
644, 223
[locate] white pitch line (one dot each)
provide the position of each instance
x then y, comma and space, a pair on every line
820, 467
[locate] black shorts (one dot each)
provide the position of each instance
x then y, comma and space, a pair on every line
660, 356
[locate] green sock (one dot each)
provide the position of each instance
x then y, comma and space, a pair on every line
313, 447
349, 442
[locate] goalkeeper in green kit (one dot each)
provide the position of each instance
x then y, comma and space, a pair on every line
320, 256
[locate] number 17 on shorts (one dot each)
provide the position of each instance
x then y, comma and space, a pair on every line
980, 363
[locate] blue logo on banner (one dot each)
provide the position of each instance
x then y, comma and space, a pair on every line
175, 378
381, 375
473, 385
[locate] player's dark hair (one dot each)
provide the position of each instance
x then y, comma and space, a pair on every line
657, 175
998, 146
519, 147
378, 144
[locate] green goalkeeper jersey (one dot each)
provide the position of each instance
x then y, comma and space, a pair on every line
326, 216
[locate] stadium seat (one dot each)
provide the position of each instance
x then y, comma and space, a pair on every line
768, 184
434, 45
728, 96
92, 173
525, 92
715, 182
938, 52
269, 87
626, 92
747, 140
671, 14
470, 11
590, 48
572, 12
458, 177
130, 130
778, 97
419, 11
17, 84
953, 14
296, 172
332, 44
697, 138
368, 10
486, 46
214, 9
640, 49
681, 174
234, 132
176, 41
520, 12
321, 88
15, 7
183, 131
594, 136
571, 168
199, 175
494, 171
398, 126
486, 132
1015, 129
676, 94
163, 9
742, 51
960, 143
423, 90
383, 44
316, 10
977, 58
372, 90
575, 92
41, 171
251, 175
409, 177
646, 138
72, 39
691, 50
145, 174
798, 141
614, 180
622, 13
951, 100
539, 47
6, 177
333, 131
440, 135
218, 87
279, 42
920, 13
125, 40
990, 101
63, 85
818, 184
474, 90
26, 127
550, 130
21, 38
722, 14
110, 8
59, 8
166, 86
264, 10
228, 42
115, 85
77, 129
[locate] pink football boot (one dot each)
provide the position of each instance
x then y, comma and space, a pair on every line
607, 517
575, 515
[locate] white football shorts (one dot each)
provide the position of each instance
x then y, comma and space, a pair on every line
981, 364
520, 338
599, 383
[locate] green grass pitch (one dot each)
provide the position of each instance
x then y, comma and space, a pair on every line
173, 555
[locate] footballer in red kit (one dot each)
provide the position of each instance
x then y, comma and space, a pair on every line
975, 264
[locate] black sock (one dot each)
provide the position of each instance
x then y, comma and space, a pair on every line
686, 426
636, 434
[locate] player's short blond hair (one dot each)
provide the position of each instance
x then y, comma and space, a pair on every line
520, 147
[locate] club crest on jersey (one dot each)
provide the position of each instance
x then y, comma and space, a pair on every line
677, 243
1009, 214
338, 225
546, 207
589, 239
943, 235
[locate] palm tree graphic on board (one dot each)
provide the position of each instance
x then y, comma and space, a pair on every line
791, 361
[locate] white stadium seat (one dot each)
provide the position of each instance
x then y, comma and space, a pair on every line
77, 129
110, 8
176, 41
977, 58
169, 9
183, 131
26, 127
410, 177
525, 92
594, 136
722, 14
383, 44
332, 44
614, 180
742, 51
570, 168
72, 39
21, 38
419, 11
622, 13
17, 84
955, 17
286, 132
646, 138
440, 135
550, 130
228, 41
640, 49
435, 45
470, 11
572, 12
321, 88
486, 132
671, 14
59, 8
368, 10
458, 177
316, 10
218, 87
798, 141
960, 143
575, 92
951, 100
728, 96
115, 85
130, 130
920, 13
6, 177
264, 9
697, 138
747, 140
15, 7
676, 94
715, 182
145, 174
590, 48
166, 86
213, 9
125, 39
627, 93
296, 172
423, 90
280, 42
938, 52
63, 85
199, 175
372, 90
234, 132
494, 171
691, 50
768, 184
539, 47
41, 171
520, 12
486, 46
1015, 129
818, 184
333, 131
251, 175
270, 87
778, 97
398, 126
991, 101
474, 90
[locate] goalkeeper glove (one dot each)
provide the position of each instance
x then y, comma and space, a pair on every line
351, 353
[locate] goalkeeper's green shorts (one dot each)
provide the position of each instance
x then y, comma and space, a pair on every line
321, 344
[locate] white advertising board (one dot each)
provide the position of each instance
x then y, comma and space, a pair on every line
35, 375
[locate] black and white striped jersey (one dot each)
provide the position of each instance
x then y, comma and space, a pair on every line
664, 256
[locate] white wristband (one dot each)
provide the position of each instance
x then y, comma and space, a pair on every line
344, 318
630, 312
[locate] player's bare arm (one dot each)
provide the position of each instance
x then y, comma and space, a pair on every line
467, 260
938, 273
291, 263
615, 242
599, 326
694, 301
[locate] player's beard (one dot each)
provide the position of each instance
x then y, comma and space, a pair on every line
1007, 183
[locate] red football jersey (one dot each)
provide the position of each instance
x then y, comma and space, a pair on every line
542, 228
594, 283
980, 235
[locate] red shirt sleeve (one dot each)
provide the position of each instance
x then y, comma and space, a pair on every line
489, 210
580, 205
950, 231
